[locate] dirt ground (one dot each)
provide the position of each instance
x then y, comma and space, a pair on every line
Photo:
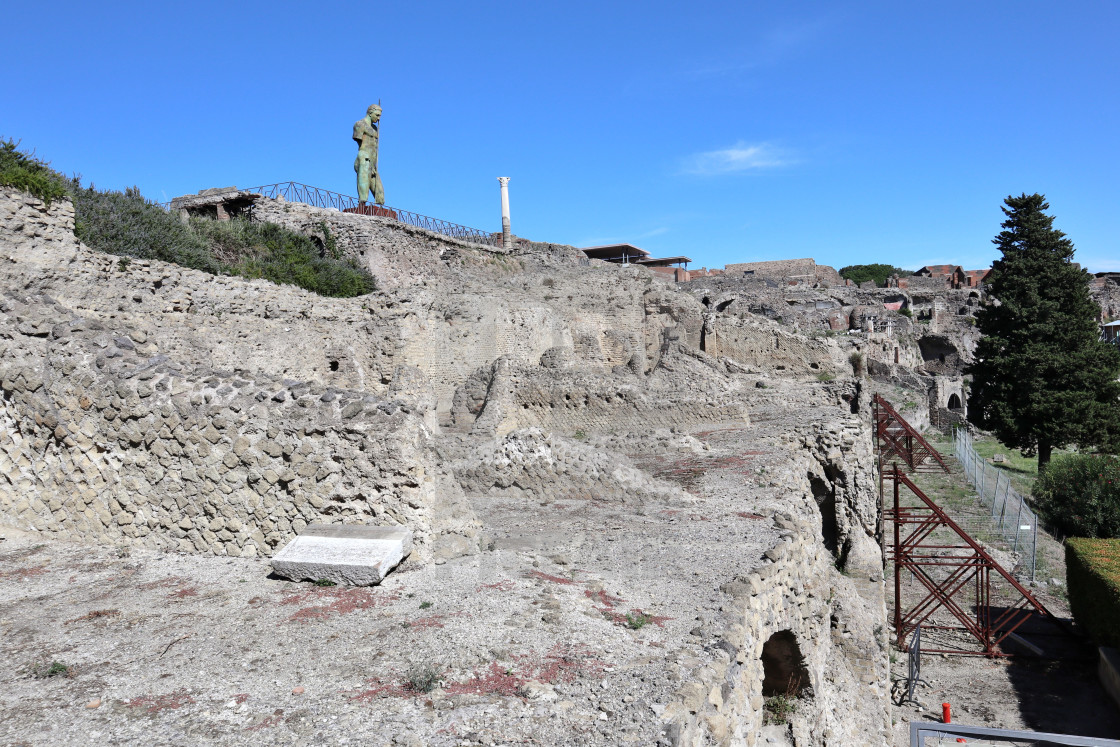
576, 626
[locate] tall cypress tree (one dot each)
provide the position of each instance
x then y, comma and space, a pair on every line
1042, 379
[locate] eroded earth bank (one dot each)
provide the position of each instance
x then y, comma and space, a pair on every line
624, 535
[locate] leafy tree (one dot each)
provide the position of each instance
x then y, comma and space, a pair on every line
1042, 379
878, 272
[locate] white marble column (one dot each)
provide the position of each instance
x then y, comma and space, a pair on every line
507, 240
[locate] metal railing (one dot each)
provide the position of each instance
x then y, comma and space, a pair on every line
1010, 516
324, 198
914, 670
932, 734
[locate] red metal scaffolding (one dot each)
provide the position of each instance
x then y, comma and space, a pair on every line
898, 441
950, 572
956, 574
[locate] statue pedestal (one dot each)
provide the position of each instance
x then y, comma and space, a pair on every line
377, 210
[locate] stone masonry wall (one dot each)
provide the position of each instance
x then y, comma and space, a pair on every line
102, 437
834, 618
546, 466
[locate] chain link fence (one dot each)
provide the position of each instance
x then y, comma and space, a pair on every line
1011, 518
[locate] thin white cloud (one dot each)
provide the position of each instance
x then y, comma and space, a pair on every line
740, 157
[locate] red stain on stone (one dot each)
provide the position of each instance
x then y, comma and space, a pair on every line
547, 577
157, 703
189, 591
336, 602
268, 723
22, 574
562, 663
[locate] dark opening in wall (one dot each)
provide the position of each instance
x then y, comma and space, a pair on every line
825, 496
334, 365
724, 304
704, 338
706, 301
783, 666
954, 402
318, 242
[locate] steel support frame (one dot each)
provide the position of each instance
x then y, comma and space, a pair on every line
970, 569
969, 566
897, 440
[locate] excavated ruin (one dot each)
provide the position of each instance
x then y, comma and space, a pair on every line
643, 513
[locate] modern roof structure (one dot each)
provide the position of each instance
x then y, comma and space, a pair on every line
615, 252
624, 253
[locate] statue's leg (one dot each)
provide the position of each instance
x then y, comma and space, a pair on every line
378, 190
362, 167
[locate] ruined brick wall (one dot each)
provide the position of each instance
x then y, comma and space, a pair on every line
507, 396
776, 269
104, 437
764, 346
543, 465
172, 407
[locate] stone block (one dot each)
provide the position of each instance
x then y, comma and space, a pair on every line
348, 554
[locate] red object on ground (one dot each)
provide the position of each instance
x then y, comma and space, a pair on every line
946, 716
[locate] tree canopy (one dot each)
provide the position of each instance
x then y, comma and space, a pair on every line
862, 273
1042, 379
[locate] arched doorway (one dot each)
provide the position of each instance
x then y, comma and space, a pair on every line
783, 666
954, 402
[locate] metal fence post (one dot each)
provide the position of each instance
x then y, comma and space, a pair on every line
1018, 521
1034, 546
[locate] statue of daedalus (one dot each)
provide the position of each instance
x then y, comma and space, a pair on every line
365, 134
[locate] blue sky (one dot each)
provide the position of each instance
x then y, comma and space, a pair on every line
728, 132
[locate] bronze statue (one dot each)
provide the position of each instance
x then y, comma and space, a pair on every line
365, 134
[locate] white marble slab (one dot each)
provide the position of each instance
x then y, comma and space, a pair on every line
348, 554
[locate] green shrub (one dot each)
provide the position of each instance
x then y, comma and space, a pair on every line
422, 678
1093, 581
125, 223
1079, 495
856, 359
266, 250
28, 174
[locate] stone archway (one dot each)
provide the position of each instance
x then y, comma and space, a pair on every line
954, 402
783, 667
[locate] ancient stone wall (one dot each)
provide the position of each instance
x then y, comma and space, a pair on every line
764, 346
545, 466
106, 438
506, 396
776, 269
833, 620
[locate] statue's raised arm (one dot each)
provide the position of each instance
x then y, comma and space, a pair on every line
365, 135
